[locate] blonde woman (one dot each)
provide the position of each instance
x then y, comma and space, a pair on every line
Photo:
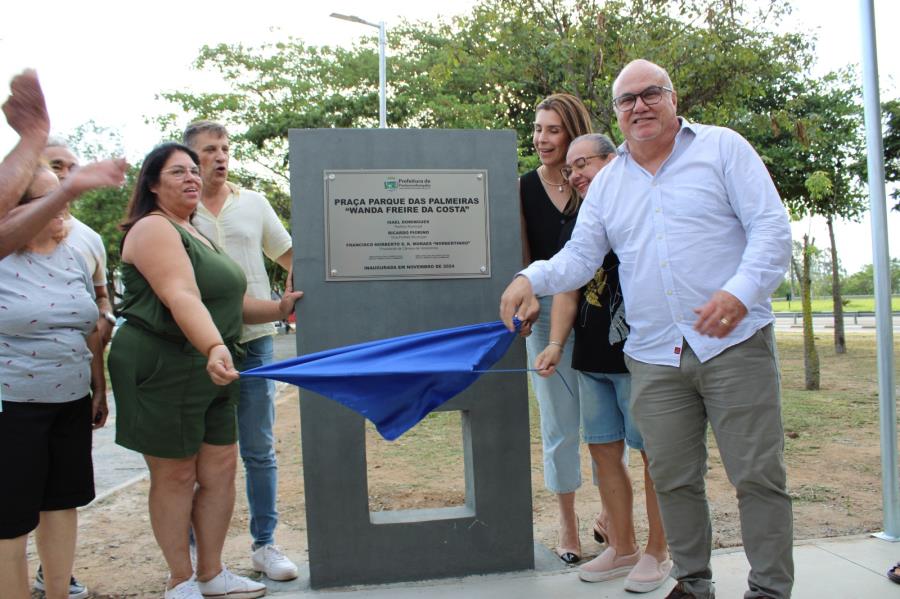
548, 203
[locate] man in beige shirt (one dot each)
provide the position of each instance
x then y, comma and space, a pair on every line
244, 224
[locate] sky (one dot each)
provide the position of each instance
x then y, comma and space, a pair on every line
99, 61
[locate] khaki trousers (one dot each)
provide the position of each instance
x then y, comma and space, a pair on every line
739, 393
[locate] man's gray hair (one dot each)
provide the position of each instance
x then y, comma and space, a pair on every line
57, 142
198, 127
602, 144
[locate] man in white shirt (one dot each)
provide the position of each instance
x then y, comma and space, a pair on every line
245, 225
83, 238
703, 240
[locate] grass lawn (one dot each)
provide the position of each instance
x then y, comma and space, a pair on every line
848, 398
831, 452
856, 304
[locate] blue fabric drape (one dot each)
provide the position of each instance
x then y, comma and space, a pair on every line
396, 382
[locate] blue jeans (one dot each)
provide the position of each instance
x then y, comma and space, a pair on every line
256, 417
560, 412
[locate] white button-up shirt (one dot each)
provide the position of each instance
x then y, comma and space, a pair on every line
245, 228
709, 219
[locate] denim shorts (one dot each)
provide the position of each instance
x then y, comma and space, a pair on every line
605, 415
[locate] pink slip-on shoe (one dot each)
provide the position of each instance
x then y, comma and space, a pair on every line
648, 574
608, 565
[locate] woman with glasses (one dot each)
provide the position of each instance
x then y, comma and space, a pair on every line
52, 390
597, 312
172, 368
548, 202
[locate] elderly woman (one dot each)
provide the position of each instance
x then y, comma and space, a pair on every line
52, 389
172, 370
548, 203
598, 314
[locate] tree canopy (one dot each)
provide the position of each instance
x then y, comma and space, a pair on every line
489, 69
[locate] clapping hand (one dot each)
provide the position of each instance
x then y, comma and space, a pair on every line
25, 108
106, 173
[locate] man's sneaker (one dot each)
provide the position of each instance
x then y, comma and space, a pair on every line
226, 585
679, 593
186, 590
271, 561
76, 589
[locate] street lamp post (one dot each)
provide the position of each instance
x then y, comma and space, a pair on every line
382, 70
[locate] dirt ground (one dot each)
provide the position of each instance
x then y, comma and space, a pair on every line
834, 479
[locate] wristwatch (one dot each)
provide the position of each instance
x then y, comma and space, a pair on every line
109, 316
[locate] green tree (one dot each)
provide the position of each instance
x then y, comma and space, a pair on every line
812, 144
103, 209
810, 354
863, 281
890, 112
489, 68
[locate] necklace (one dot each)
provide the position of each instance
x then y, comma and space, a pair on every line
559, 186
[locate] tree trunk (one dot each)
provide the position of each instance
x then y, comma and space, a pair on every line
840, 342
810, 355
111, 287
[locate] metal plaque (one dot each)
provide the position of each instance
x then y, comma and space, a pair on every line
413, 224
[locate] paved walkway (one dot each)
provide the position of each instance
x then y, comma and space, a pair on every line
840, 568
858, 324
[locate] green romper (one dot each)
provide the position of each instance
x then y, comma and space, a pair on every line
166, 404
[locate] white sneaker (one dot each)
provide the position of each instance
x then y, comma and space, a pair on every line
271, 561
186, 590
226, 585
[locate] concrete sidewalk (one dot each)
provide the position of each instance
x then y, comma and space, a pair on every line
837, 568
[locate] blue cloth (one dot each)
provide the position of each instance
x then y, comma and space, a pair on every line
396, 382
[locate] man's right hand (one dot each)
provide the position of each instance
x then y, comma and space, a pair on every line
25, 109
520, 302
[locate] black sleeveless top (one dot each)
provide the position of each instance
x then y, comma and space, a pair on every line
600, 325
543, 222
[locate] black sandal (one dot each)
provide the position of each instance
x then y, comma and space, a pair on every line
893, 573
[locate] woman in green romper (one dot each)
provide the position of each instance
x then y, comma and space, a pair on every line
172, 368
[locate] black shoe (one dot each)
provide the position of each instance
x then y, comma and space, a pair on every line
568, 556
894, 573
76, 589
679, 593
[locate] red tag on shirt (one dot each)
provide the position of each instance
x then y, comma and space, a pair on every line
677, 350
